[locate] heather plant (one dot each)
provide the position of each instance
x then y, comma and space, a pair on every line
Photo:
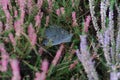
87, 42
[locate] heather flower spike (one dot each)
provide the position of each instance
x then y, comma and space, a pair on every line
15, 69
39, 3
38, 18
87, 23
32, 35
1, 27
50, 4
44, 68
58, 12
12, 39
18, 28
74, 23
47, 20
4, 58
62, 10
58, 55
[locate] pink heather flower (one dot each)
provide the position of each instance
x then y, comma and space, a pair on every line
40, 50
30, 5
21, 4
22, 16
12, 39
32, 35
73, 64
39, 4
62, 10
38, 76
50, 2
87, 23
18, 28
5, 58
58, 12
1, 27
8, 19
44, 68
47, 20
4, 4
15, 13
15, 69
7, 27
8, 16
74, 19
58, 55
38, 18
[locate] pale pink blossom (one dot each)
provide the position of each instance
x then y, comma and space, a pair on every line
38, 18
40, 50
1, 27
58, 55
47, 20
21, 4
8, 19
15, 13
18, 28
15, 69
44, 68
30, 5
32, 35
58, 12
4, 58
73, 64
22, 16
8, 16
50, 4
37, 76
12, 39
4, 4
87, 23
74, 19
39, 4
62, 10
